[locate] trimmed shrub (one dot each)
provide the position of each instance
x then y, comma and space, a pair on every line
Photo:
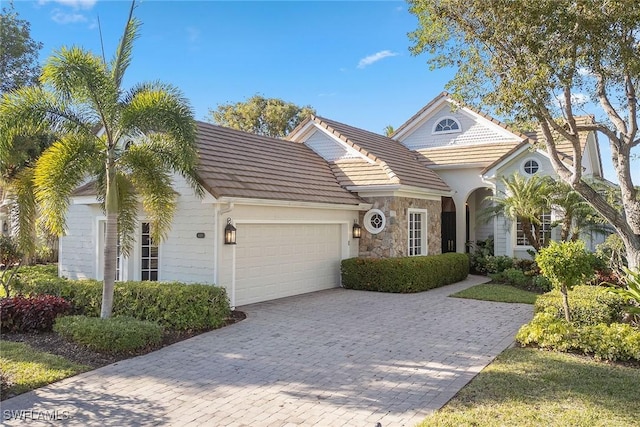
547, 330
174, 305
605, 342
116, 334
513, 277
404, 275
492, 264
590, 305
24, 314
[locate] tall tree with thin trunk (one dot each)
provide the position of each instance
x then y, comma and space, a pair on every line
128, 142
541, 60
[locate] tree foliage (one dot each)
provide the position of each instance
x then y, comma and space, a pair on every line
263, 116
146, 134
525, 200
18, 52
566, 264
540, 60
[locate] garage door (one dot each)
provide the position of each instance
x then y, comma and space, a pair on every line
280, 260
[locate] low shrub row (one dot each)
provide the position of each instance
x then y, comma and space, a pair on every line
404, 275
31, 314
615, 341
590, 305
174, 305
116, 334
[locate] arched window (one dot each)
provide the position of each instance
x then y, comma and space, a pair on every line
447, 125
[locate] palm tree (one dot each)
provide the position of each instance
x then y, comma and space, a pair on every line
129, 143
576, 214
524, 200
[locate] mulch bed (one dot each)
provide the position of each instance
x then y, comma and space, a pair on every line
51, 342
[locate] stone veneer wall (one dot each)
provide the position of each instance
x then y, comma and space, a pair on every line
393, 240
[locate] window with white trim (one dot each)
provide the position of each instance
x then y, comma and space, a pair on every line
148, 254
447, 125
417, 227
544, 233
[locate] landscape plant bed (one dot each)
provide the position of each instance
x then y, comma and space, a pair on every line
50, 342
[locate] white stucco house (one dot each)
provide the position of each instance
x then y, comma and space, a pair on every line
294, 202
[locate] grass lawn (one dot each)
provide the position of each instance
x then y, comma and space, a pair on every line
529, 387
26, 369
497, 292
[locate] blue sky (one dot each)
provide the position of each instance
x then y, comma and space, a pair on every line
349, 60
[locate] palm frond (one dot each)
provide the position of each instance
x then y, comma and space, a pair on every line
60, 169
81, 77
122, 58
127, 213
163, 118
153, 184
32, 111
24, 211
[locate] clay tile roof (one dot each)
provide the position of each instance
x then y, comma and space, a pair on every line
400, 164
358, 172
477, 154
238, 164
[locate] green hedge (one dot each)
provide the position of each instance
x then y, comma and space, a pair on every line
616, 341
407, 274
174, 305
590, 305
116, 334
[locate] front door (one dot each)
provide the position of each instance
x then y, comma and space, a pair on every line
448, 232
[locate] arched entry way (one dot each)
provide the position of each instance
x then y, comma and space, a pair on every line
460, 228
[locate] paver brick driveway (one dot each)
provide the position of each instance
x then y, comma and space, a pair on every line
331, 358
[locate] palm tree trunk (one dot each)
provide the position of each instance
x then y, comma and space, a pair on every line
110, 246
526, 229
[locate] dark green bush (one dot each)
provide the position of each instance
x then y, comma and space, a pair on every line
616, 341
174, 305
590, 305
407, 274
513, 277
492, 264
116, 334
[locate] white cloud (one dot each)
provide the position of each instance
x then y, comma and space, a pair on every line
578, 100
76, 4
60, 17
584, 71
368, 60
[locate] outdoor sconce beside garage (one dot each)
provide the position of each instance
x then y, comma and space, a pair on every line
229, 233
357, 230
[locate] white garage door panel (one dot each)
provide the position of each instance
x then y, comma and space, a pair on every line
280, 260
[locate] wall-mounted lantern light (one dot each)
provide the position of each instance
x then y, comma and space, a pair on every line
229, 233
357, 230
